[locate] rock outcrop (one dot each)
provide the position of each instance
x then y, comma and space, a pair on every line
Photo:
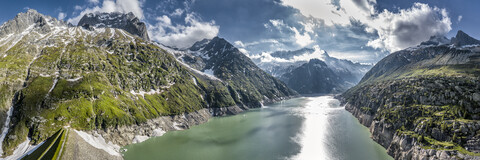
462, 39
128, 22
420, 103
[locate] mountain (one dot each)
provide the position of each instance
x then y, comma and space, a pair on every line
313, 77
128, 22
281, 64
106, 84
424, 101
218, 58
462, 39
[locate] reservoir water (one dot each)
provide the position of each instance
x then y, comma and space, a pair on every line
303, 128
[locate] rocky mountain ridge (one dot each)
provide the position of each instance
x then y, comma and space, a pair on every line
218, 58
128, 22
345, 73
423, 102
100, 79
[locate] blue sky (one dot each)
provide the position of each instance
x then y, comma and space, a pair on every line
359, 30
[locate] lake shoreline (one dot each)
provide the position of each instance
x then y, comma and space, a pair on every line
272, 132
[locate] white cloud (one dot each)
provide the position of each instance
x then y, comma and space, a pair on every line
165, 20
182, 36
277, 22
332, 14
243, 50
396, 30
317, 53
241, 47
77, 7
267, 57
409, 26
460, 17
262, 41
93, 1
124, 6
239, 44
61, 15
302, 39
177, 12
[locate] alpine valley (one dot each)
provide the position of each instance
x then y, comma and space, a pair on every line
116, 85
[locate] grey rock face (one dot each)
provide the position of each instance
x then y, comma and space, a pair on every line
412, 112
128, 22
29, 19
125, 135
462, 39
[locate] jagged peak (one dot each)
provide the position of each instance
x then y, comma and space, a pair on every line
33, 11
28, 19
199, 44
317, 61
217, 39
462, 39
110, 15
126, 21
210, 43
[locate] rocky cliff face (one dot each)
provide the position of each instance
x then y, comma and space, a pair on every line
96, 79
128, 22
422, 102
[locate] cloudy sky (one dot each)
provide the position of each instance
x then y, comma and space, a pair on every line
359, 30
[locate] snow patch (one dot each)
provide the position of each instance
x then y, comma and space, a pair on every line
112, 32
195, 81
5, 128
98, 141
74, 79
45, 75
126, 35
469, 46
209, 72
23, 149
54, 84
172, 51
143, 93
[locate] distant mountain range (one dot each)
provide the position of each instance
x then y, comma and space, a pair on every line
423, 102
337, 76
314, 77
